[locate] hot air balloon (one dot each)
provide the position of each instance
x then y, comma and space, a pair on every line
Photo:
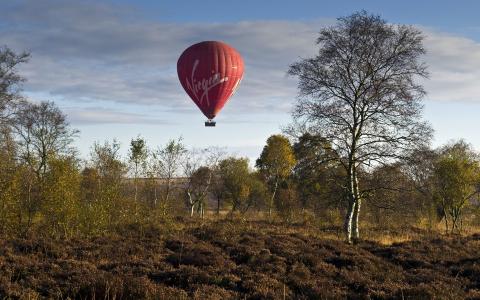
210, 72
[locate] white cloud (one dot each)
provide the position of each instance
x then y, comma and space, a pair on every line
84, 51
90, 51
98, 115
454, 64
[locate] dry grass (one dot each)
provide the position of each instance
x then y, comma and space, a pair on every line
242, 260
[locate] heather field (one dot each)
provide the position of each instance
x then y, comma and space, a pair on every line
240, 260
239, 149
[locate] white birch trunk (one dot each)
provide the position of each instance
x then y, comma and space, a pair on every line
348, 223
356, 212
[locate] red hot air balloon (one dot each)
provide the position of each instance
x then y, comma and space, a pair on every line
210, 72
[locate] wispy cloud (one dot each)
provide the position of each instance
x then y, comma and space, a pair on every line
90, 51
98, 115
454, 64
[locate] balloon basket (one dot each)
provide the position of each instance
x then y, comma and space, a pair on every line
210, 123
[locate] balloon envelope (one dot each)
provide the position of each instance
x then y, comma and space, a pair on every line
210, 72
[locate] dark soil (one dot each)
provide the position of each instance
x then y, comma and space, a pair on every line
230, 261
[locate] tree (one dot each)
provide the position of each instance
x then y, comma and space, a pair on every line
167, 165
218, 190
316, 171
236, 182
90, 184
200, 168
105, 158
259, 194
10, 81
287, 203
27, 194
43, 130
392, 195
92, 218
8, 188
62, 196
419, 167
108, 208
138, 155
198, 188
276, 163
197, 174
457, 181
360, 93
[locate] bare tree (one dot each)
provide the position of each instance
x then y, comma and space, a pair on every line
419, 167
200, 167
106, 160
10, 81
360, 93
191, 164
167, 165
43, 130
137, 156
8, 170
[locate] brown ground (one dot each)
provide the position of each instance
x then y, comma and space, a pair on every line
225, 260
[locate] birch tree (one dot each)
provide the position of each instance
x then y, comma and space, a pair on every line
42, 130
201, 168
167, 161
191, 165
361, 93
10, 81
137, 156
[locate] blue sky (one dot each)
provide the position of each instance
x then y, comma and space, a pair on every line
111, 65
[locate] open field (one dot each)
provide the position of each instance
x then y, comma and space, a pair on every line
231, 260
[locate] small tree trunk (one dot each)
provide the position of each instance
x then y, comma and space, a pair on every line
355, 224
273, 198
348, 222
136, 190
461, 224
452, 216
190, 203
458, 221
167, 192
455, 217
445, 216
136, 181
356, 212
155, 194
165, 200
351, 225
29, 209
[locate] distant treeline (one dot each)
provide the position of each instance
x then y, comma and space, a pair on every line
45, 186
